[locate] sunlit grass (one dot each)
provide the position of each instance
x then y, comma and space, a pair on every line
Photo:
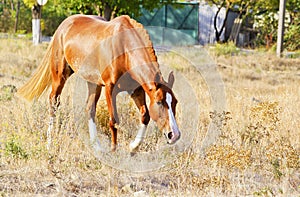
257, 152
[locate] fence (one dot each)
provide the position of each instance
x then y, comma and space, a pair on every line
175, 24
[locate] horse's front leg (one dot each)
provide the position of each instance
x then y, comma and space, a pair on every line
111, 95
94, 92
139, 98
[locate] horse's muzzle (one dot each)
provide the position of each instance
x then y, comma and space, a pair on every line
172, 137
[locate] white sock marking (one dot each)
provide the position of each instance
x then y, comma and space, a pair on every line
93, 136
48, 134
138, 138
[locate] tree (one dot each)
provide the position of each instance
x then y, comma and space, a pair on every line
112, 8
220, 4
16, 14
240, 6
292, 34
267, 10
52, 14
9, 12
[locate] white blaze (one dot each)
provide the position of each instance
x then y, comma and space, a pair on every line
172, 120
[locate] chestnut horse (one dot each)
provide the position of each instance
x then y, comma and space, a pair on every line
117, 55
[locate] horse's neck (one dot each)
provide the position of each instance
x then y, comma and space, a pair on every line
146, 78
140, 56
142, 69
152, 82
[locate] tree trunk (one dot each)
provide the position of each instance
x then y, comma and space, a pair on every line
218, 33
107, 11
12, 6
36, 24
17, 16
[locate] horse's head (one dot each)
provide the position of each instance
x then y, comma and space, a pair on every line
163, 109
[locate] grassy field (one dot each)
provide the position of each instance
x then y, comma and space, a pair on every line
256, 152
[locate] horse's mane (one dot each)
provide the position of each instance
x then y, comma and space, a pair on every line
146, 37
136, 24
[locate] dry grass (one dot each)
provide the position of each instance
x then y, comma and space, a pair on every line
256, 154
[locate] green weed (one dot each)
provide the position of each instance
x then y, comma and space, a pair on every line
226, 49
14, 149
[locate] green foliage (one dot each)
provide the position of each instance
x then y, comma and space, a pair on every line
53, 14
14, 149
6, 92
55, 11
264, 192
265, 14
6, 23
228, 48
24, 24
276, 169
29, 3
292, 36
109, 9
8, 12
295, 55
293, 6
266, 24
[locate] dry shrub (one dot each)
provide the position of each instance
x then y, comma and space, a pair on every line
282, 152
264, 138
228, 157
220, 119
264, 123
211, 181
261, 142
102, 116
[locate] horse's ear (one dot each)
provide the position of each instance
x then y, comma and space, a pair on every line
157, 80
171, 80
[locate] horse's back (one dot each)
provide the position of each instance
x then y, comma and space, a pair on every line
94, 25
89, 44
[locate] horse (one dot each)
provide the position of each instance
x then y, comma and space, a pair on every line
117, 55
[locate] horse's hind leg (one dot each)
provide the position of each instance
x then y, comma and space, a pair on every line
139, 98
94, 92
60, 73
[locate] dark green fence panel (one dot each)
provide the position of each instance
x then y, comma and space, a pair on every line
176, 24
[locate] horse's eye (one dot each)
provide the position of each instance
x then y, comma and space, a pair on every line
159, 102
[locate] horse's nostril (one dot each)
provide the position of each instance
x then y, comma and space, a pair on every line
170, 135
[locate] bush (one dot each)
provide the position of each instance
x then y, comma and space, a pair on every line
14, 149
228, 48
292, 36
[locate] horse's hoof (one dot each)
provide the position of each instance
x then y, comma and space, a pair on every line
113, 148
132, 154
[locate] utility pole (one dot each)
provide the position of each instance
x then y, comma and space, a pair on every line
280, 33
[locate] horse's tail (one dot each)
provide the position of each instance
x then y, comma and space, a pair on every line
40, 80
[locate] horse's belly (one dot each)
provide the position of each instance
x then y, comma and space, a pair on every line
87, 66
90, 74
